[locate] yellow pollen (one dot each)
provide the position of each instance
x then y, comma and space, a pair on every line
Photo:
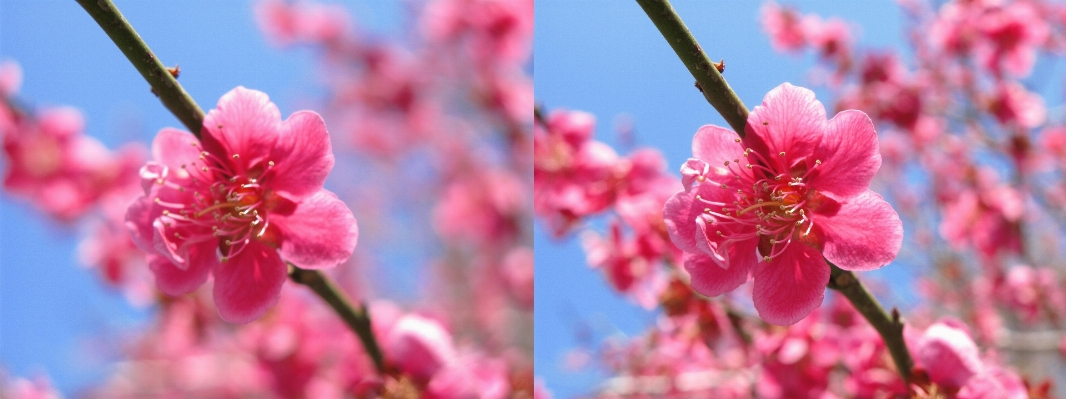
759, 205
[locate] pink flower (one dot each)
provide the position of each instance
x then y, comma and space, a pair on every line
799, 194
785, 27
953, 363
419, 347
237, 204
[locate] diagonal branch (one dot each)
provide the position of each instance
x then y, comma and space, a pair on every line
152, 70
721, 96
185, 109
708, 79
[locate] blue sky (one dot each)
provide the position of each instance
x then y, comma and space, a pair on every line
608, 59
53, 313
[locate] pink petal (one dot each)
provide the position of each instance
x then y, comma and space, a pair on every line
174, 281
715, 145
249, 283
244, 123
682, 209
790, 286
710, 279
790, 120
692, 171
864, 234
302, 155
320, 233
849, 155
173, 148
139, 218
949, 355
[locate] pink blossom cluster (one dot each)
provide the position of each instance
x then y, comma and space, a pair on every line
73, 178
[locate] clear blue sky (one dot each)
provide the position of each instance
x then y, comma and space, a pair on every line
51, 310
607, 58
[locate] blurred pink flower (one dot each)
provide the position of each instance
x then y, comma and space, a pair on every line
237, 204
419, 347
953, 363
801, 194
52, 163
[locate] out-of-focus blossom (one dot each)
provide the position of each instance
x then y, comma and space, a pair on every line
58, 168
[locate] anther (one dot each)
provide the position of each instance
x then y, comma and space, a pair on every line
736, 140
270, 164
782, 153
766, 258
235, 156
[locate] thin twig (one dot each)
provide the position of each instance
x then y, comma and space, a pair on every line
184, 108
151, 68
708, 79
356, 318
721, 96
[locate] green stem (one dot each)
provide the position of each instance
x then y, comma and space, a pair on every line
889, 326
721, 96
358, 319
184, 108
708, 79
152, 70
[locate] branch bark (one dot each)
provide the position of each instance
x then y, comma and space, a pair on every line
358, 319
178, 101
708, 80
724, 99
152, 70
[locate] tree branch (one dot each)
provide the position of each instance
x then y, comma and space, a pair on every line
152, 70
721, 96
708, 79
889, 326
356, 318
185, 109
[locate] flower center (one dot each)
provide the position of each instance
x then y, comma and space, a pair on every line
771, 205
214, 199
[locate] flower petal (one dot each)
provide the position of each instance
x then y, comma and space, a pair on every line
790, 286
250, 283
949, 355
173, 148
244, 123
175, 281
864, 234
139, 218
716, 145
320, 233
302, 155
681, 211
710, 279
790, 120
849, 155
